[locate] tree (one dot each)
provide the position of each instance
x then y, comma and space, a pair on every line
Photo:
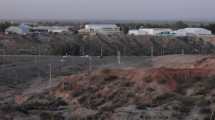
4, 26
180, 24
124, 28
211, 27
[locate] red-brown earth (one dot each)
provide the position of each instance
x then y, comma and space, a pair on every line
127, 94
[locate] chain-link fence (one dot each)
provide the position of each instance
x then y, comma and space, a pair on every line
19, 69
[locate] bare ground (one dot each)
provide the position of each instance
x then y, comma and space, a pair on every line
166, 87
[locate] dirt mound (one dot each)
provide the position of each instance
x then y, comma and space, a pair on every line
165, 80
208, 62
211, 40
106, 90
112, 94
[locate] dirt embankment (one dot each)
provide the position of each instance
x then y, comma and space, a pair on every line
125, 94
162, 79
208, 62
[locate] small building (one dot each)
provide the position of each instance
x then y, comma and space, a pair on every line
22, 29
58, 29
14, 30
134, 32
50, 29
73, 29
163, 31
151, 31
25, 28
193, 32
102, 28
40, 29
85, 32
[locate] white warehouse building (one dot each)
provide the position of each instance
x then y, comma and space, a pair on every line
14, 30
102, 28
150, 31
22, 29
50, 29
192, 32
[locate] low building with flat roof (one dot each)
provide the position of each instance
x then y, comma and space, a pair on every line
151, 31
193, 32
102, 28
50, 29
22, 29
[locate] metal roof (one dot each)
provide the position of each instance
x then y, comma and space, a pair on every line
101, 25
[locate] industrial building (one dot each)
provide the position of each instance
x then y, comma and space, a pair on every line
22, 29
59, 29
40, 29
14, 30
192, 32
102, 28
50, 29
151, 31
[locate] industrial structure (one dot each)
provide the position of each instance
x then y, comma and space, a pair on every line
102, 28
169, 32
14, 30
151, 31
50, 29
192, 32
106, 29
22, 29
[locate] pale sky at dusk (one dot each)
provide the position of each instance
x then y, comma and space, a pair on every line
108, 9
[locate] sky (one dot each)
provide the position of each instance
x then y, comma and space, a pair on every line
108, 9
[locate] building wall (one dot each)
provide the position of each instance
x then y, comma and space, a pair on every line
15, 30
133, 32
51, 29
193, 32
102, 29
149, 31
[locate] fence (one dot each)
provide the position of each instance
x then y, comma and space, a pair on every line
19, 69
151, 51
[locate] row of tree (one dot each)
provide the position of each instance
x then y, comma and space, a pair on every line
4, 26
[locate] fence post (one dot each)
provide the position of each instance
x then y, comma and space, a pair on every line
119, 57
152, 51
89, 64
3, 58
50, 75
182, 52
101, 54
